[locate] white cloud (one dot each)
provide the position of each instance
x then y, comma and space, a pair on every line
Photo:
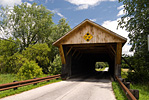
10, 2
58, 13
94, 20
121, 12
85, 4
112, 25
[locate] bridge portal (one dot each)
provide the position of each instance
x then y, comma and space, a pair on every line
87, 44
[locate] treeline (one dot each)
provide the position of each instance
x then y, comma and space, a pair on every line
26, 47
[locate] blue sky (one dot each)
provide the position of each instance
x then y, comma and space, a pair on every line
103, 12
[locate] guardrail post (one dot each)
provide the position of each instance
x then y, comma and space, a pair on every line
48, 80
135, 93
16, 87
127, 84
35, 83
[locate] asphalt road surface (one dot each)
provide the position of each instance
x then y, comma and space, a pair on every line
73, 89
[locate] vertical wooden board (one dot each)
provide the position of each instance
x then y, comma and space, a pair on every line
118, 53
99, 36
62, 54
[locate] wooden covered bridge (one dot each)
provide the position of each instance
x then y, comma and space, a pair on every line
87, 44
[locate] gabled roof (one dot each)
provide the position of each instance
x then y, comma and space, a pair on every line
60, 40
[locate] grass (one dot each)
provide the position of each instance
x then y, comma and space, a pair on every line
7, 78
119, 94
143, 88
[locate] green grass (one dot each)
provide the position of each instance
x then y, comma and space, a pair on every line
119, 94
7, 78
143, 90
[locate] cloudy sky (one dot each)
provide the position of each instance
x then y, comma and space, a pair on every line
103, 12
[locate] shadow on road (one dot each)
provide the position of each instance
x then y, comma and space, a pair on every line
102, 76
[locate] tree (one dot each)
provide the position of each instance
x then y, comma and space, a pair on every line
136, 22
59, 30
40, 53
8, 47
29, 23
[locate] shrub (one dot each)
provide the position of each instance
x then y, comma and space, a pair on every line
39, 53
56, 65
29, 70
11, 64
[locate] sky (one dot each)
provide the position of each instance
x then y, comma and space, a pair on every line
102, 12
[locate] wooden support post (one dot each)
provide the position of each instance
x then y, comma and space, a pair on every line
118, 59
61, 51
119, 53
15, 87
135, 93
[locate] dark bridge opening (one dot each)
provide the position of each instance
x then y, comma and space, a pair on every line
81, 59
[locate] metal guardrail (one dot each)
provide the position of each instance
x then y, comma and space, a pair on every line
26, 82
129, 95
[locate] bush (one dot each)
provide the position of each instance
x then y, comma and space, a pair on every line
39, 53
56, 65
11, 64
29, 70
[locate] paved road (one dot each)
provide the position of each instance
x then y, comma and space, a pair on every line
74, 89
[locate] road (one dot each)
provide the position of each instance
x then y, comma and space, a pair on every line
73, 89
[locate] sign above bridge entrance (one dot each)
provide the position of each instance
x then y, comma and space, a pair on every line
87, 36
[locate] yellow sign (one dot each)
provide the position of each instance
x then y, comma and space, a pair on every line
87, 36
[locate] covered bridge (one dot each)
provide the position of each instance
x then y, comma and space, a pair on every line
86, 44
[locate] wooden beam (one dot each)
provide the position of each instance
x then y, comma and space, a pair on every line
118, 53
69, 51
61, 51
113, 49
74, 52
77, 55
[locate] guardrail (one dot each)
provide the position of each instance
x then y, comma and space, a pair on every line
129, 95
15, 85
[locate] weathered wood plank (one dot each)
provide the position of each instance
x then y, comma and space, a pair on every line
118, 53
61, 51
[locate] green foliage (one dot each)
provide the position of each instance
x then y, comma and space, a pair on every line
119, 94
29, 23
7, 78
58, 31
137, 13
56, 65
29, 70
33, 32
143, 90
136, 22
101, 64
39, 53
8, 47
12, 63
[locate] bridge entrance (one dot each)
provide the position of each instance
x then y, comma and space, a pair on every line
87, 44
